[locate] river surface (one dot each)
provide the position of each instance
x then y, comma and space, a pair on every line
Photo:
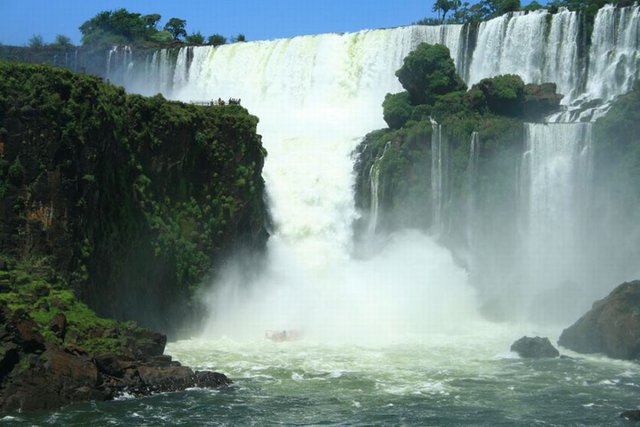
428, 381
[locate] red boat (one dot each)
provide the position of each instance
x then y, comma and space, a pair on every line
284, 335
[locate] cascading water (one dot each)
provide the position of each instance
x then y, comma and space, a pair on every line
614, 60
438, 159
531, 45
555, 180
119, 61
538, 46
374, 175
316, 96
472, 175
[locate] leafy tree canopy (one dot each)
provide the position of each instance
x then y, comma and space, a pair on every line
195, 38
428, 72
504, 95
238, 38
119, 26
397, 109
176, 27
124, 27
217, 40
442, 7
63, 41
36, 41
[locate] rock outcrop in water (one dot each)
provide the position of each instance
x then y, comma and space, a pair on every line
611, 327
533, 348
42, 373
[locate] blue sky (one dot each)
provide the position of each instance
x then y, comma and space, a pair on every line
257, 19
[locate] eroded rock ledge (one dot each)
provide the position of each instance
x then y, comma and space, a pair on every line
38, 373
611, 327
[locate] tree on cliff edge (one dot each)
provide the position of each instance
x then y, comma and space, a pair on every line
176, 27
429, 72
119, 26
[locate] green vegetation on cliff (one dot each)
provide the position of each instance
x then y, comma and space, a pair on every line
495, 108
37, 290
474, 13
120, 27
131, 200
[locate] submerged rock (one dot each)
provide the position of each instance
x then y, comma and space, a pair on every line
534, 347
611, 327
632, 415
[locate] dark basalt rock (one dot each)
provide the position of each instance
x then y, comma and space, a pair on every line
632, 415
40, 374
534, 347
611, 327
540, 100
210, 379
58, 325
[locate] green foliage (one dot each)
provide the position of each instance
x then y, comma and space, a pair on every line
484, 10
124, 27
148, 193
176, 27
428, 21
63, 41
534, 5
428, 72
42, 298
195, 38
36, 41
495, 108
238, 38
500, 7
504, 95
216, 40
397, 109
151, 21
442, 7
117, 27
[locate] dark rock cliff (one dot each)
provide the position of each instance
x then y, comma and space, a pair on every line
130, 200
611, 327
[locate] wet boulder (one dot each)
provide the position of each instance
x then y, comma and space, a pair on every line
534, 348
631, 415
611, 327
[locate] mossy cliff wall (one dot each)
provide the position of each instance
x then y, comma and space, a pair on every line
131, 200
428, 176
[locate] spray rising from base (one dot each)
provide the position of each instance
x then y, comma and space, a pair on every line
410, 287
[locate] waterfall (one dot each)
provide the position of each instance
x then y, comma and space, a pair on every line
532, 46
438, 175
545, 48
538, 46
374, 175
316, 96
472, 173
119, 63
614, 59
556, 179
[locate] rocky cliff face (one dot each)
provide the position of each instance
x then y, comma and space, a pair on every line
130, 200
611, 327
44, 372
